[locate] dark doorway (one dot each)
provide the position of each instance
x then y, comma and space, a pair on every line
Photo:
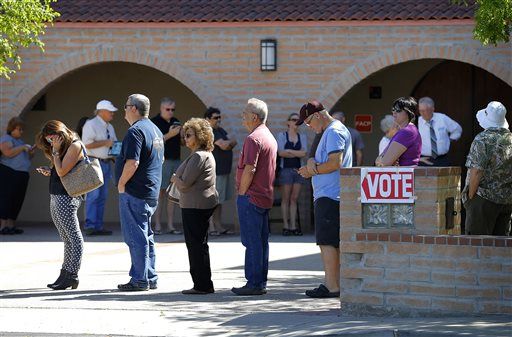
460, 90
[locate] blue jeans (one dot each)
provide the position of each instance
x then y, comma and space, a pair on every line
95, 200
254, 234
135, 217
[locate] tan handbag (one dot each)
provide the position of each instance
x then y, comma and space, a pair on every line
173, 194
85, 177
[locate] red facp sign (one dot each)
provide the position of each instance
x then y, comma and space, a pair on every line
390, 185
363, 123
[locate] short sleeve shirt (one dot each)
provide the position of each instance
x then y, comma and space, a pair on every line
259, 150
336, 138
223, 158
144, 143
357, 143
21, 162
172, 145
491, 152
97, 129
411, 139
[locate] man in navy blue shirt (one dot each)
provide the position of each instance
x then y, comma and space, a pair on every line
138, 176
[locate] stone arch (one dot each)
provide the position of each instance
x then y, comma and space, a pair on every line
73, 61
356, 73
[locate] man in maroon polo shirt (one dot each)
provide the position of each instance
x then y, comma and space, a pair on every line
254, 182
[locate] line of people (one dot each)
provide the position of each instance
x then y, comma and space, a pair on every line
138, 176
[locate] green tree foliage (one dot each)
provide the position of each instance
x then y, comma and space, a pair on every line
493, 20
21, 24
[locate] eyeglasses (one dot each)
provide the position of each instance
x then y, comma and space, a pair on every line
217, 117
170, 109
396, 110
127, 105
188, 135
308, 120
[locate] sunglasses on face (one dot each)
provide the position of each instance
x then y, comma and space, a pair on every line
170, 109
128, 105
293, 120
217, 117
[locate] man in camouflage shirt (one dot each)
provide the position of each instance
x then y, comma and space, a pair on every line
487, 195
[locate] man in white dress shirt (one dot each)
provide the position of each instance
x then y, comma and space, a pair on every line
98, 135
437, 130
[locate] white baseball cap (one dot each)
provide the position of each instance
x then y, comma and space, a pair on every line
105, 105
493, 116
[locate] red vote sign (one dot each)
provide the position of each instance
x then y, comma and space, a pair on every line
363, 123
391, 185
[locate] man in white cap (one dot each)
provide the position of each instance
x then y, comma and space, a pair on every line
487, 195
98, 135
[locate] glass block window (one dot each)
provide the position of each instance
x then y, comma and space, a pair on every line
388, 215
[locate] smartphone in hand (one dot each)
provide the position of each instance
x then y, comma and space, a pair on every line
44, 170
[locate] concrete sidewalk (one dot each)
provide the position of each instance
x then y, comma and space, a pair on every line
27, 308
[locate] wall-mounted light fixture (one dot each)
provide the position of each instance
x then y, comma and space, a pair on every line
268, 55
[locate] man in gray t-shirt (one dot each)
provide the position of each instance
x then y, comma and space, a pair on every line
357, 140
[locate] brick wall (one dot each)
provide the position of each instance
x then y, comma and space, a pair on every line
420, 270
413, 274
432, 187
220, 63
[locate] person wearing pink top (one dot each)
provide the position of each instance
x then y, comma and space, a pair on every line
255, 186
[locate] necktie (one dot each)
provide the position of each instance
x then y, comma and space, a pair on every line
433, 139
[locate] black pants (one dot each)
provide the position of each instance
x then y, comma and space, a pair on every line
195, 228
484, 217
12, 192
441, 161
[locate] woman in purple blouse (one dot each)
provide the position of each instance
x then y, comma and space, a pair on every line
404, 149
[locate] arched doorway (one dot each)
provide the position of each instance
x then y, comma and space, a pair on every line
76, 93
458, 88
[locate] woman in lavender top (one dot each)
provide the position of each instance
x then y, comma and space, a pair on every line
404, 148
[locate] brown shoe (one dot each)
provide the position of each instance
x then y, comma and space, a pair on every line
193, 291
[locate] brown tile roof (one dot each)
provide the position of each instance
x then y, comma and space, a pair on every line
257, 10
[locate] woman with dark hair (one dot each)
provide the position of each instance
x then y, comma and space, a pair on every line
14, 166
291, 147
195, 179
64, 150
80, 126
404, 149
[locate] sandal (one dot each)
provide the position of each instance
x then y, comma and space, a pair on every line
322, 292
287, 232
6, 231
227, 232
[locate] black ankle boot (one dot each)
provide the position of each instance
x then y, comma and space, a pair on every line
58, 280
68, 280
